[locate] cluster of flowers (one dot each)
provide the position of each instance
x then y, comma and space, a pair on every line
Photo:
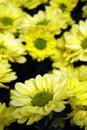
24, 34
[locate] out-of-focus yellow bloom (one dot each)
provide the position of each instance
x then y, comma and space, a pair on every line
11, 48
81, 72
11, 18
6, 117
79, 89
84, 11
64, 5
38, 97
79, 118
58, 61
6, 73
39, 44
76, 43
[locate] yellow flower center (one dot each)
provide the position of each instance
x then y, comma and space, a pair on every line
2, 47
84, 43
6, 21
62, 7
41, 99
44, 22
40, 43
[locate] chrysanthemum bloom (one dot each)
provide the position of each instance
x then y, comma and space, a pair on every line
84, 11
6, 73
58, 19
78, 101
40, 44
6, 117
79, 118
76, 43
79, 90
52, 20
11, 48
11, 18
64, 5
58, 61
38, 97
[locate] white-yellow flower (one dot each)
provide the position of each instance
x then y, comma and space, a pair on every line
76, 43
11, 18
6, 73
6, 117
38, 97
79, 117
52, 20
11, 48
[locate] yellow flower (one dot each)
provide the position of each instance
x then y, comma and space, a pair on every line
11, 18
64, 5
6, 73
76, 43
79, 118
84, 11
58, 20
11, 48
38, 97
6, 117
30, 4
79, 91
52, 20
39, 44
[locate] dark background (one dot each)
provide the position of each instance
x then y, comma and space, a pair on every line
30, 69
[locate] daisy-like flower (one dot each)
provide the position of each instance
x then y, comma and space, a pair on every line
64, 5
52, 20
84, 11
11, 18
11, 48
76, 43
6, 73
39, 44
6, 117
58, 19
38, 97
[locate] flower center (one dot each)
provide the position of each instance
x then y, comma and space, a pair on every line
84, 43
6, 21
40, 43
41, 99
2, 47
62, 7
44, 22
